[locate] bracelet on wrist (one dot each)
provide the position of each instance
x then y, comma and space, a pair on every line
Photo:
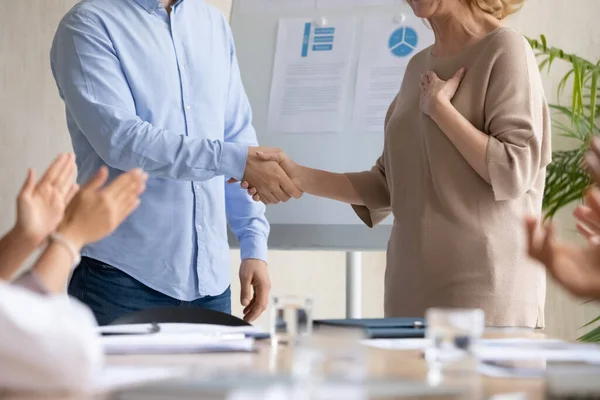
68, 245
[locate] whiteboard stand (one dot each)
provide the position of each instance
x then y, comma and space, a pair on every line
353, 284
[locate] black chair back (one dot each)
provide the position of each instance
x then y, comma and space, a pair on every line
180, 315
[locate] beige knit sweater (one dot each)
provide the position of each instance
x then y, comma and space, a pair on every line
457, 240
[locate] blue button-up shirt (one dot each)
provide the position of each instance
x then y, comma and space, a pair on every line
164, 93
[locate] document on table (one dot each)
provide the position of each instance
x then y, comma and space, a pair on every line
174, 343
254, 6
387, 47
506, 350
311, 75
204, 329
397, 344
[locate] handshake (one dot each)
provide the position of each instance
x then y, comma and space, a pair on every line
270, 176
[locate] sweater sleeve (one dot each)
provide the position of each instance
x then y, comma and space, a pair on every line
373, 189
47, 343
517, 120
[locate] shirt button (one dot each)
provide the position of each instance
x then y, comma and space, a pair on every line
182, 68
197, 187
188, 108
199, 227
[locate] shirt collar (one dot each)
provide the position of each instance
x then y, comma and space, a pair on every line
150, 5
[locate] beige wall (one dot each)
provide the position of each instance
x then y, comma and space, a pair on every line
32, 131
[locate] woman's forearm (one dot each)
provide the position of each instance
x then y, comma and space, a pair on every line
468, 140
54, 266
15, 248
327, 184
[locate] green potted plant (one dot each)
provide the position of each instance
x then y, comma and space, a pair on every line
566, 180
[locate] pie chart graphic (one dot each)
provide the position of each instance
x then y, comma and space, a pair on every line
403, 41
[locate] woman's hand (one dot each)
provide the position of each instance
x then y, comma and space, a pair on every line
96, 212
588, 215
575, 268
41, 205
436, 93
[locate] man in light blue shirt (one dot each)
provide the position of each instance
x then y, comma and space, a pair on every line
155, 84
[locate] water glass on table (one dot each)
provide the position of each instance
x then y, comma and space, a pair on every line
290, 319
452, 335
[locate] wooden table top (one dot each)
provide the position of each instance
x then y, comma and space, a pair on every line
388, 364
394, 364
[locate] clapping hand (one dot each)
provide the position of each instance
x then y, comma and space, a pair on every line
576, 268
588, 215
97, 210
41, 204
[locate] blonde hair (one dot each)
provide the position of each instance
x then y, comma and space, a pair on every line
498, 8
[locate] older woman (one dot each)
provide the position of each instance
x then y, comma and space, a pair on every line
467, 141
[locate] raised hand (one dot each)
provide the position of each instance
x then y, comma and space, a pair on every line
436, 92
588, 215
592, 160
575, 268
41, 204
267, 177
97, 211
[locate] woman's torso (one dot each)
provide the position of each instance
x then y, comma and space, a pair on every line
453, 244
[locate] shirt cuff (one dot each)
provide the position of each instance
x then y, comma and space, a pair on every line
255, 247
31, 281
233, 160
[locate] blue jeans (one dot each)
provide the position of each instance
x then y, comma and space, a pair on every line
111, 293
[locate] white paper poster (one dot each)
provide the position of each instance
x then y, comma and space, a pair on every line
254, 6
324, 4
387, 47
311, 75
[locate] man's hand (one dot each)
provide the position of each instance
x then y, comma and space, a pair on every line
254, 275
268, 178
41, 205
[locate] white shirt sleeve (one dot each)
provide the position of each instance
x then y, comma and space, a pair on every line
47, 343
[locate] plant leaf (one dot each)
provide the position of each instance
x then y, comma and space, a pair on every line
592, 322
593, 98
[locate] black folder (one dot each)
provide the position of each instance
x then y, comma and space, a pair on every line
380, 328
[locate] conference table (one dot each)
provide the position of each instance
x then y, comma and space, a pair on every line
394, 364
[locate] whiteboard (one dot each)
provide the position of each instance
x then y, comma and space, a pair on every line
311, 222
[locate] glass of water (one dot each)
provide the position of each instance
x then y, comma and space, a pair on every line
290, 319
452, 335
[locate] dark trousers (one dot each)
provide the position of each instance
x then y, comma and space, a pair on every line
111, 293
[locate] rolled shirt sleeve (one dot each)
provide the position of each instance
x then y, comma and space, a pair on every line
517, 120
373, 189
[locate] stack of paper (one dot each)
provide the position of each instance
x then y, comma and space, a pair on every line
176, 339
